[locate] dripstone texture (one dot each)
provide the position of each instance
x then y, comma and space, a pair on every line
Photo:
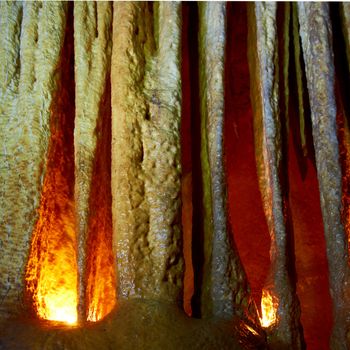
263, 64
316, 38
224, 291
146, 169
31, 39
92, 48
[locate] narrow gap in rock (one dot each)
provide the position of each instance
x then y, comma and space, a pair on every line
246, 215
191, 41
51, 276
283, 69
186, 160
304, 199
342, 86
101, 280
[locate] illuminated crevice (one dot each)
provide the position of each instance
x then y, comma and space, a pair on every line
186, 159
51, 276
101, 282
245, 209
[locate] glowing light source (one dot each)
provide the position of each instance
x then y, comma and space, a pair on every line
52, 269
51, 275
268, 310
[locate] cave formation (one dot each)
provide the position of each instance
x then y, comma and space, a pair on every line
174, 175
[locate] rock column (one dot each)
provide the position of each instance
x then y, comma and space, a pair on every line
223, 292
146, 168
92, 48
31, 39
316, 39
263, 63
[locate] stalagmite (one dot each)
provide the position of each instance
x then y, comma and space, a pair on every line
146, 169
263, 62
316, 38
223, 291
31, 39
92, 47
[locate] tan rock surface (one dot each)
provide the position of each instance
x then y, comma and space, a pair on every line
146, 169
316, 38
224, 291
31, 39
92, 47
263, 62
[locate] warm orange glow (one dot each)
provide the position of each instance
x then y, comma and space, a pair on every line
52, 268
251, 330
268, 310
101, 290
101, 282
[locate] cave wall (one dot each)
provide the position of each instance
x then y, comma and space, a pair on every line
138, 96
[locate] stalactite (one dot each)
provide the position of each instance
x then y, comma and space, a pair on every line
316, 38
92, 45
146, 99
263, 61
224, 291
31, 41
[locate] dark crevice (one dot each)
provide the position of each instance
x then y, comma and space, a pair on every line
340, 59
186, 160
342, 88
191, 35
282, 9
303, 154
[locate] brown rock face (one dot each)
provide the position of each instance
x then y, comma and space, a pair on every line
31, 36
223, 290
112, 114
316, 36
263, 60
92, 48
146, 169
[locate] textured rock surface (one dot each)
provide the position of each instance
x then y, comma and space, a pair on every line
263, 61
224, 291
92, 48
146, 169
135, 325
299, 76
316, 37
31, 39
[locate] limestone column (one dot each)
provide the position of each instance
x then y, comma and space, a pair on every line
146, 168
223, 292
31, 39
316, 38
263, 63
92, 48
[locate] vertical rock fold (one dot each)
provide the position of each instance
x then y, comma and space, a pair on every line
224, 291
146, 169
31, 39
263, 63
92, 48
316, 39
